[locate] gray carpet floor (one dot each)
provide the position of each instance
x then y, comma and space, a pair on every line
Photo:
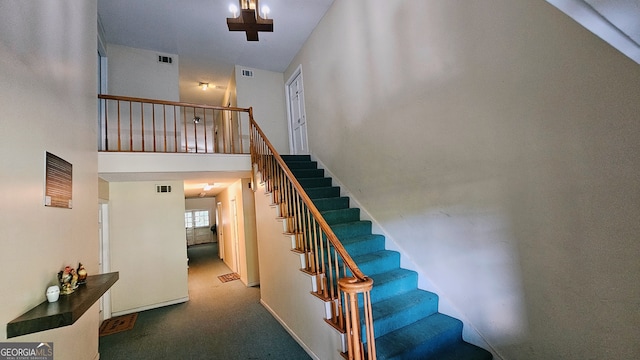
220, 321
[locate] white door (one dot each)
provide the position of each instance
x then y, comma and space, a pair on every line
220, 230
296, 113
236, 237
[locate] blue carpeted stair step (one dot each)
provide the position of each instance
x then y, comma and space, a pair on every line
422, 339
302, 165
308, 173
355, 228
309, 183
402, 310
377, 262
288, 158
392, 283
339, 216
463, 350
323, 192
358, 245
331, 203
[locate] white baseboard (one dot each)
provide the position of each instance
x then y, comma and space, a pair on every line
293, 335
149, 307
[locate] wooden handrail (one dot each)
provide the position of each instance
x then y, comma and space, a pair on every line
173, 103
307, 225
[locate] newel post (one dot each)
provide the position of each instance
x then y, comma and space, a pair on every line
351, 287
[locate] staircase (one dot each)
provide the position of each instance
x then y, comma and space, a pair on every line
407, 324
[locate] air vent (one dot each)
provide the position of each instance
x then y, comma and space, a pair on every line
247, 73
163, 189
165, 59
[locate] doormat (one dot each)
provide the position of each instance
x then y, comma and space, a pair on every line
118, 324
229, 277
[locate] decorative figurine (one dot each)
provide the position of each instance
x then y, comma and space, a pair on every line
66, 279
82, 274
53, 293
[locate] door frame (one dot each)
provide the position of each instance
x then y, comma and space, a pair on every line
294, 75
104, 255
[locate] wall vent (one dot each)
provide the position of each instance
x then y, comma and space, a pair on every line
163, 189
165, 59
247, 73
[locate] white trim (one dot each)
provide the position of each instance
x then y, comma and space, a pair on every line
105, 258
149, 307
593, 21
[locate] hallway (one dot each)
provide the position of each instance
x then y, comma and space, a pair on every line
220, 321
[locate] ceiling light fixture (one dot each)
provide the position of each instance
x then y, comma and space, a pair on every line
203, 85
207, 187
249, 20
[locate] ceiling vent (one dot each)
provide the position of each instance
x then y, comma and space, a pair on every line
161, 189
165, 59
247, 73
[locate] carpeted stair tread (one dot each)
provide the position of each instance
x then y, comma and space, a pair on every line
288, 158
422, 339
331, 203
323, 192
308, 173
378, 262
402, 310
358, 245
463, 351
354, 228
302, 165
392, 283
310, 183
339, 216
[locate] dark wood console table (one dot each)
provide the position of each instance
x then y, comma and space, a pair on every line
66, 310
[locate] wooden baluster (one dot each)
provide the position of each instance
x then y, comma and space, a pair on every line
204, 119
184, 123
164, 125
153, 125
119, 140
142, 120
106, 123
175, 129
195, 131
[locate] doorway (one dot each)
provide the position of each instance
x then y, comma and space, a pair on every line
298, 142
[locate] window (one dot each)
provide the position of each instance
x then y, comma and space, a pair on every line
196, 218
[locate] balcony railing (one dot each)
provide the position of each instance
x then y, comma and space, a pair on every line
144, 125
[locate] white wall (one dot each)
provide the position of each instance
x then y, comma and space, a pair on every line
265, 93
47, 103
148, 245
137, 73
285, 290
497, 144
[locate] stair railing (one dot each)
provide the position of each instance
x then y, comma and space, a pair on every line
129, 124
339, 281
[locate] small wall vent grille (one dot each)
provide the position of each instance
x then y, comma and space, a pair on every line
247, 73
165, 59
160, 189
